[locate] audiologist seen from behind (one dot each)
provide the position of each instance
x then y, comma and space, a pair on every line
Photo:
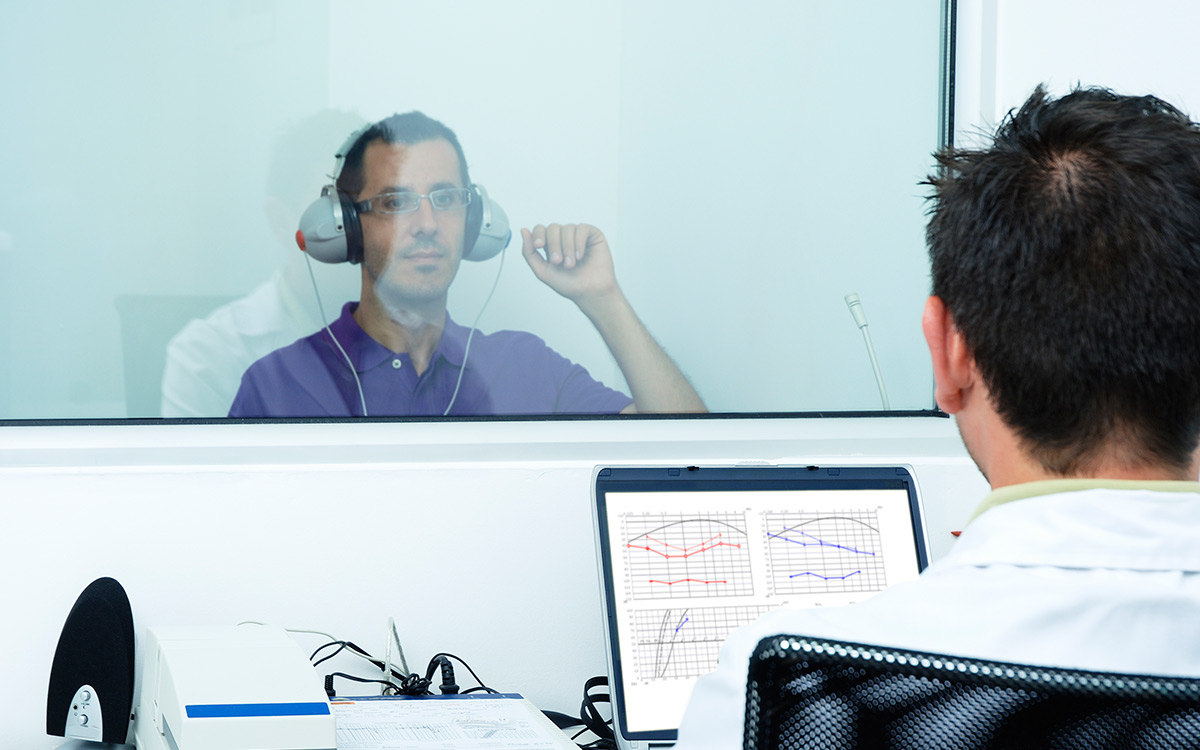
1064, 330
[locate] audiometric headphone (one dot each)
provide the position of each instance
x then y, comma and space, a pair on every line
331, 232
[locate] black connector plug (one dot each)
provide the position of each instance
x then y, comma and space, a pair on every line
448, 686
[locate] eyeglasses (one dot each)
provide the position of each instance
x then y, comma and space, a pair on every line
446, 199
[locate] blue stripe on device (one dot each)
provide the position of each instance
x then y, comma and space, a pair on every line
231, 710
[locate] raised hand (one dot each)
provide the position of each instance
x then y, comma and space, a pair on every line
572, 259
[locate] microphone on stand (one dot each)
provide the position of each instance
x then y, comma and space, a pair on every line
860, 317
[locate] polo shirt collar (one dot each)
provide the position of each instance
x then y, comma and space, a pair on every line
366, 353
453, 344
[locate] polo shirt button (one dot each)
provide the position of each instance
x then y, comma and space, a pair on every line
397, 364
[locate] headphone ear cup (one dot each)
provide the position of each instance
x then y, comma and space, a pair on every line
353, 229
474, 222
488, 231
330, 230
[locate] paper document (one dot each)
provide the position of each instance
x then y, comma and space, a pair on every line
471, 721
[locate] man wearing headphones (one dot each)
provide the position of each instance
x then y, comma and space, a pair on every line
403, 206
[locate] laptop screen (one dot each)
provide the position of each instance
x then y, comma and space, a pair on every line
688, 554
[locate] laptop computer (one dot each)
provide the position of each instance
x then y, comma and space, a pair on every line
687, 554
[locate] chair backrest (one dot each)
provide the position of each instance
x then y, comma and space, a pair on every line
814, 693
148, 321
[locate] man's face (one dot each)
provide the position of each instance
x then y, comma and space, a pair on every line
411, 258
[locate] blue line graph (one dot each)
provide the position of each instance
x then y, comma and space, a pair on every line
816, 542
822, 553
824, 578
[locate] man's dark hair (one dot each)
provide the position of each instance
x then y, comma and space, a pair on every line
1068, 254
405, 129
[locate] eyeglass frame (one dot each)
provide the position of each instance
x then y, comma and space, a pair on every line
365, 206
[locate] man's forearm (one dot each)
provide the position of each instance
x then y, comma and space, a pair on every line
655, 382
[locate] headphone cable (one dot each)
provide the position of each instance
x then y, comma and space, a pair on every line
466, 349
321, 308
471, 335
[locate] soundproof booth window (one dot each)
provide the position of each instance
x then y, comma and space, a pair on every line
262, 209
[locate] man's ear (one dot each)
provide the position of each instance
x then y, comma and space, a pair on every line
953, 365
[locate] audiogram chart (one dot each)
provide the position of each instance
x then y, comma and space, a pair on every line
820, 553
685, 642
676, 556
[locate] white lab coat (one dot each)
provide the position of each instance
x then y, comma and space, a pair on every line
1098, 579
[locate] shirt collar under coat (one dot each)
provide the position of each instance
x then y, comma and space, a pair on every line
1142, 526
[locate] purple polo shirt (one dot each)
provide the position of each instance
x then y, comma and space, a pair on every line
507, 372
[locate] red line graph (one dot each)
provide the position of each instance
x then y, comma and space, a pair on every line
685, 580
676, 555
684, 552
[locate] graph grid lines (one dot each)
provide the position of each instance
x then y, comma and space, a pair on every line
822, 553
676, 556
685, 642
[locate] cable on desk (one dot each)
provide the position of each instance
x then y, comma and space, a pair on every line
344, 676
590, 714
397, 682
459, 659
403, 684
589, 717
290, 630
342, 646
448, 686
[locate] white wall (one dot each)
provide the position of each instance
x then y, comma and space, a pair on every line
475, 537
1007, 47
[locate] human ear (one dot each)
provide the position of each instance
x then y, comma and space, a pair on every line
953, 370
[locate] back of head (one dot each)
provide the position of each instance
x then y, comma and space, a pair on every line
1068, 254
399, 129
300, 155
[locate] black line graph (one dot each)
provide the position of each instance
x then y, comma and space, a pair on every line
684, 642
675, 555
821, 553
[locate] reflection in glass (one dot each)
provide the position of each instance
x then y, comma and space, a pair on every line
397, 352
749, 165
206, 359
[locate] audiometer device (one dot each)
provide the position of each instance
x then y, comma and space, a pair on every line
246, 687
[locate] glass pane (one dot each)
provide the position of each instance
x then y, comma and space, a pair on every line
749, 165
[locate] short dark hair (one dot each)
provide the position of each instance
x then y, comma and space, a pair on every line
408, 128
1068, 254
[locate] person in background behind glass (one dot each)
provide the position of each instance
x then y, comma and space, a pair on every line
206, 359
398, 353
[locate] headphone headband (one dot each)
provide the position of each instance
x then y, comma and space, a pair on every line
331, 232
339, 159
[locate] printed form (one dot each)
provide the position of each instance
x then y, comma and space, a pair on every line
483, 720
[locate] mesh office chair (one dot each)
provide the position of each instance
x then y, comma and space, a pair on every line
812, 693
